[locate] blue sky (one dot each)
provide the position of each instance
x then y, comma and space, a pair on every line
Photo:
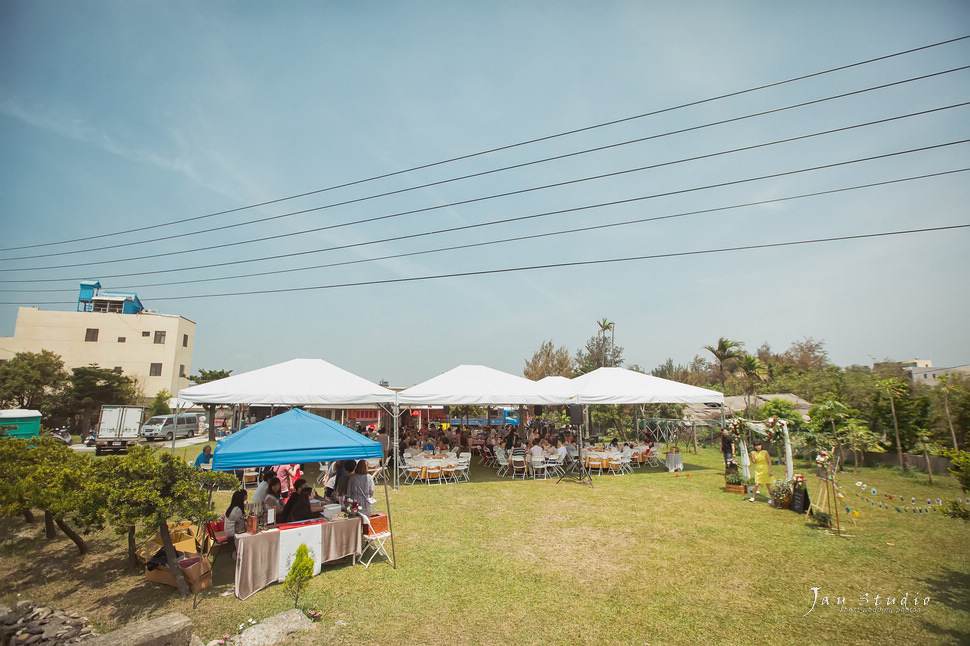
123, 115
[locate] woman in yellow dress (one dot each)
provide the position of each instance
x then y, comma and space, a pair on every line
761, 462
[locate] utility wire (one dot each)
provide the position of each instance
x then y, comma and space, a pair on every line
472, 175
549, 234
559, 265
497, 149
505, 240
488, 197
508, 220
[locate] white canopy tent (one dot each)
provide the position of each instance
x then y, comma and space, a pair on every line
622, 386
474, 385
298, 382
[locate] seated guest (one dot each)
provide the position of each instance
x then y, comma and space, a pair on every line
261, 490
274, 496
236, 518
297, 487
360, 487
297, 506
205, 457
535, 450
346, 470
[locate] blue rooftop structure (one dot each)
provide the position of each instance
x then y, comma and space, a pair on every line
93, 299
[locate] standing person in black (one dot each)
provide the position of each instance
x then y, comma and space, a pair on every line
511, 441
727, 445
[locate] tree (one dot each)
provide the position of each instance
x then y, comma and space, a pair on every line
725, 352
92, 387
895, 388
126, 491
960, 468
598, 353
831, 413
300, 574
31, 379
858, 437
549, 361
753, 371
204, 377
159, 405
44, 474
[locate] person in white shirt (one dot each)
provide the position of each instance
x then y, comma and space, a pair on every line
561, 450
535, 449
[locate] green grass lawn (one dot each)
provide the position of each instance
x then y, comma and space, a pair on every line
647, 558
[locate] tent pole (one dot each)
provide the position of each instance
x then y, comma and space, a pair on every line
396, 449
390, 525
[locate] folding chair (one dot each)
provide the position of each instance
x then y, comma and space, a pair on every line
539, 466
250, 477
595, 463
376, 533
503, 465
433, 471
464, 466
615, 465
215, 531
518, 466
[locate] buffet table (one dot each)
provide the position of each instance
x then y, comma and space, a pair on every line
265, 558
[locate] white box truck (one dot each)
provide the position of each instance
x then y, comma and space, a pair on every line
117, 428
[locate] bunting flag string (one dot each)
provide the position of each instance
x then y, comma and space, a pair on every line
893, 501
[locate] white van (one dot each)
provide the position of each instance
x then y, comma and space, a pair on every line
162, 427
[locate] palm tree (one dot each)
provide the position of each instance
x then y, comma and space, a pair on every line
946, 389
608, 326
754, 372
894, 387
726, 350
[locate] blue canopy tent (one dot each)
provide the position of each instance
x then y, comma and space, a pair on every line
295, 437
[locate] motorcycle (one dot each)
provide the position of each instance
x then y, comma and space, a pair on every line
90, 440
63, 435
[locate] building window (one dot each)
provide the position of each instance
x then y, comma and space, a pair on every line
146, 333
155, 370
185, 340
181, 370
121, 339
159, 336
91, 334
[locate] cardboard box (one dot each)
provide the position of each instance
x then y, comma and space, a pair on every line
196, 569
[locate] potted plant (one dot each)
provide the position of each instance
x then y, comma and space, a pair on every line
781, 493
731, 467
734, 483
748, 486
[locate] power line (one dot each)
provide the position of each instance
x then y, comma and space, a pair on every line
490, 197
467, 176
561, 265
517, 238
498, 149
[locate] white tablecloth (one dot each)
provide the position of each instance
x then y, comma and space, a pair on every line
675, 462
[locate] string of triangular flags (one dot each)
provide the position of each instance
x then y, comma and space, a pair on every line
889, 501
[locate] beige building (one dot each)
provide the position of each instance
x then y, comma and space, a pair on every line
112, 331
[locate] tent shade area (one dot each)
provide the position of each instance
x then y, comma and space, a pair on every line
622, 386
298, 382
477, 386
295, 437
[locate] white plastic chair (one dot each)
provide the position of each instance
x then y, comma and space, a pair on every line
464, 466
375, 542
539, 466
503, 465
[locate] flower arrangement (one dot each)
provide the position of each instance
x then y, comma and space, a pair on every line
822, 459
351, 506
798, 480
736, 426
781, 488
731, 463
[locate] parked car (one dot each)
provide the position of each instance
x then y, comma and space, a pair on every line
162, 427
